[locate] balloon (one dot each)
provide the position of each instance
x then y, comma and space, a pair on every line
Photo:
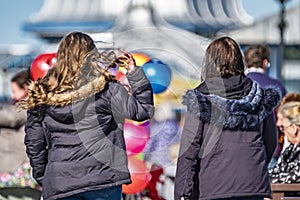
136, 137
41, 64
140, 176
140, 58
159, 75
145, 123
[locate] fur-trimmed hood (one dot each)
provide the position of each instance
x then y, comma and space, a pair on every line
245, 113
73, 98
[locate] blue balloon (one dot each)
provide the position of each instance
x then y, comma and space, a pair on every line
159, 75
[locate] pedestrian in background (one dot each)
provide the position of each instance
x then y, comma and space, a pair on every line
288, 168
15, 171
257, 59
12, 122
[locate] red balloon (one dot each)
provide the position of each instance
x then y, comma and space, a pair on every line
41, 64
136, 137
140, 176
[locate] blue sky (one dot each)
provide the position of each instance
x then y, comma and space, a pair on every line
13, 17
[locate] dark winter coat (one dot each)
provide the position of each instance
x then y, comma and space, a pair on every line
80, 146
228, 138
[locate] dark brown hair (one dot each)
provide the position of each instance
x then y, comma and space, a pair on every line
21, 78
255, 55
223, 58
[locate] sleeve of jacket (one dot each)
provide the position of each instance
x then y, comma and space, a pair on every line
137, 106
36, 146
270, 137
186, 179
10, 117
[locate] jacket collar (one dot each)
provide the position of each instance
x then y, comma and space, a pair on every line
234, 87
69, 106
236, 114
76, 95
254, 69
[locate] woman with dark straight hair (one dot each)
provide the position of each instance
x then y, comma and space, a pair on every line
229, 132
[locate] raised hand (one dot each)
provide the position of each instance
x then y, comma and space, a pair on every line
127, 61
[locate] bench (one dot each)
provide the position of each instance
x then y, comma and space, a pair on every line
279, 190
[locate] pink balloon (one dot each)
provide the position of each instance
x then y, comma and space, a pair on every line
136, 137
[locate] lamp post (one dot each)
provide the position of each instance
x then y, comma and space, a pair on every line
282, 27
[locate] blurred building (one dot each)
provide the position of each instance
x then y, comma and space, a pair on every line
204, 17
174, 31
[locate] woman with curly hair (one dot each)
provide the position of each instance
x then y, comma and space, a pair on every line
74, 131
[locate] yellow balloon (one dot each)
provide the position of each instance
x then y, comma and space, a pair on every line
140, 58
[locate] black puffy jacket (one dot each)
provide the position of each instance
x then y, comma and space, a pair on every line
80, 146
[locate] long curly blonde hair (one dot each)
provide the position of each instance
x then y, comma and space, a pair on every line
79, 64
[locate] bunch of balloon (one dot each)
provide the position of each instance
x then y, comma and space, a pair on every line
136, 136
41, 64
159, 75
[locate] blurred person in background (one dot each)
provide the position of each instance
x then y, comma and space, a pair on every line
293, 96
15, 171
257, 59
287, 170
12, 121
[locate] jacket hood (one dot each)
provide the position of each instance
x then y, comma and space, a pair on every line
87, 90
244, 113
234, 87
